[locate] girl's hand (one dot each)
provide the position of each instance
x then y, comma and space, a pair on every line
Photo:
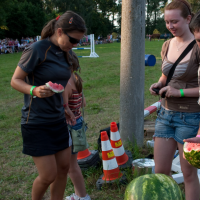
70, 118
155, 85
192, 140
43, 91
170, 92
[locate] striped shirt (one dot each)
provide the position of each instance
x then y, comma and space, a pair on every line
180, 68
75, 102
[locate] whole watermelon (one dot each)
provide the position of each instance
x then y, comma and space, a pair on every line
192, 153
153, 187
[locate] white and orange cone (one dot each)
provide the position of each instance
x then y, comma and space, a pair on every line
110, 166
117, 145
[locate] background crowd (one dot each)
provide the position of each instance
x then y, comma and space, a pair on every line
9, 45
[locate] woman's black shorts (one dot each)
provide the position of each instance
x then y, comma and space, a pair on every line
45, 139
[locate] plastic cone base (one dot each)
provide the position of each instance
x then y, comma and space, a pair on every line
128, 164
110, 175
83, 154
100, 182
122, 159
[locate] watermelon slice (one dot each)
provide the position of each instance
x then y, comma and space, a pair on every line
192, 153
57, 88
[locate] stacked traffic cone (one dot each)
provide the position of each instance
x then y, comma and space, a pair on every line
83, 154
124, 158
88, 159
111, 170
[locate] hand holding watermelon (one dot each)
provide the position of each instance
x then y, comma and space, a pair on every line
193, 140
192, 151
42, 91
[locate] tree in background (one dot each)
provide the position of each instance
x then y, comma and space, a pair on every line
4, 5
97, 21
195, 4
27, 17
23, 18
154, 16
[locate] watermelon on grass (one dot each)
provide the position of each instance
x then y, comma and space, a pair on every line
192, 153
153, 187
57, 88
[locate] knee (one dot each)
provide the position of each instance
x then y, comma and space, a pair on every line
64, 169
189, 175
47, 179
74, 168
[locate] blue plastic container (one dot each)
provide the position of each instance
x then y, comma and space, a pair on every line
150, 60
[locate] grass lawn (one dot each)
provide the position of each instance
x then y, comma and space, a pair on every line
101, 88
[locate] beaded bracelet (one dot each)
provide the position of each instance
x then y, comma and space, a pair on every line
31, 90
182, 93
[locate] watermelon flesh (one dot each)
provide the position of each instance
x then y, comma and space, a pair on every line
192, 153
57, 88
153, 187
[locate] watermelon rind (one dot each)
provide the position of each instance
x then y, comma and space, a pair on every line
153, 187
193, 157
53, 89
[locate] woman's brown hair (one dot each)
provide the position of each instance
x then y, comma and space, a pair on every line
182, 5
195, 23
74, 62
69, 21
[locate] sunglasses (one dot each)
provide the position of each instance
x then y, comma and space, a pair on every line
73, 40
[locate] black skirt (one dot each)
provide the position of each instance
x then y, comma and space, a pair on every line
45, 139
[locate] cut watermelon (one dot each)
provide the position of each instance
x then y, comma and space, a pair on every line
153, 187
57, 88
192, 153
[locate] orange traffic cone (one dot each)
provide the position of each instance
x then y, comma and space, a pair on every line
83, 154
110, 166
117, 145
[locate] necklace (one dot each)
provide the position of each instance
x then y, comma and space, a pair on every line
178, 48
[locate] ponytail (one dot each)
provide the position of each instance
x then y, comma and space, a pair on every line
69, 22
78, 82
74, 66
49, 29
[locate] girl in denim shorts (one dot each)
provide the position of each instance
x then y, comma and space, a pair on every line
75, 100
179, 116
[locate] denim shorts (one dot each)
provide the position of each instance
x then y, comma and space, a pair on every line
78, 125
176, 125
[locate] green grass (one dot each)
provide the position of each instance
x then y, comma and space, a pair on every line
101, 88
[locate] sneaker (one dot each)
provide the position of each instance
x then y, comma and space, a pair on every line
76, 197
